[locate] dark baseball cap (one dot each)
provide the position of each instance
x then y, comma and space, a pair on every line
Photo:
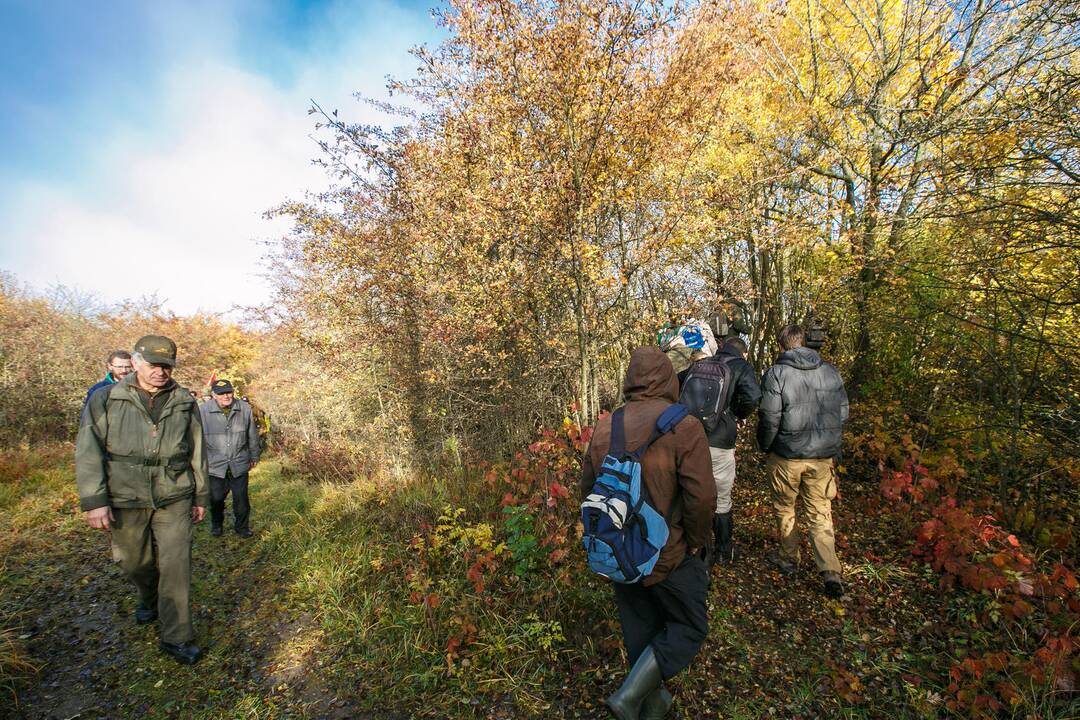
220, 387
157, 350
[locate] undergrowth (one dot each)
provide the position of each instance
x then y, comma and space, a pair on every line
463, 593
463, 587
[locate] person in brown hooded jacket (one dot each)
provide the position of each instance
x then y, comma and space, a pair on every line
663, 617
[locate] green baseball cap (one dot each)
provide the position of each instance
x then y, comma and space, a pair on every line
157, 350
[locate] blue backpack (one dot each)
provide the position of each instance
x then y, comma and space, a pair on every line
623, 531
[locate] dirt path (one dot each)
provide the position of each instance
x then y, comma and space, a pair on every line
75, 616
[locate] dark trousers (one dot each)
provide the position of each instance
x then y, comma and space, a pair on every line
669, 615
219, 488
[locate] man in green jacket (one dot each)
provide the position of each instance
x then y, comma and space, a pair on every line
141, 471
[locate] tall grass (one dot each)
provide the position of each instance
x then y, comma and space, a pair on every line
415, 583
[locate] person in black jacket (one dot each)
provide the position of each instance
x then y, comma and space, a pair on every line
743, 398
803, 410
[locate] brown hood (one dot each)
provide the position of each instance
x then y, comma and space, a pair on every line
650, 375
677, 467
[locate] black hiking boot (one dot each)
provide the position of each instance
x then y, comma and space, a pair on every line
786, 567
215, 530
834, 588
625, 703
185, 653
144, 614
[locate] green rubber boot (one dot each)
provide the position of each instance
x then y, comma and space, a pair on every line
644, 678
657, 705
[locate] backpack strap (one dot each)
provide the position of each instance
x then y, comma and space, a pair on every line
729, 391
667, 421
617, 445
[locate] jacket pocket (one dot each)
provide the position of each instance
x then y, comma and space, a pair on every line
125, 482
175, 483
239, 441
216, 442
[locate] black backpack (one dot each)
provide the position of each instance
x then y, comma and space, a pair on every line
706, 390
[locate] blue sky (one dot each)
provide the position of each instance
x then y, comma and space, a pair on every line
136, 132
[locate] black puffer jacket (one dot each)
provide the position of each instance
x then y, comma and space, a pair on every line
743, 398
803, 407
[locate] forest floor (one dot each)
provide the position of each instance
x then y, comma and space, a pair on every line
288, 633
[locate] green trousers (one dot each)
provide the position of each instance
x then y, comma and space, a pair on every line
153, 547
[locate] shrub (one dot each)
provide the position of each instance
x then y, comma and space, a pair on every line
972, 553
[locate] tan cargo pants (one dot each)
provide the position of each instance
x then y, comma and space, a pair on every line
153, 547
812, 482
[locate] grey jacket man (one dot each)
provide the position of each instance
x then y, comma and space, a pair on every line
803, 407
232, 440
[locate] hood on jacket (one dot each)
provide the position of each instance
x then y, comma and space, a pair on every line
650, 375
728, 351
800, 358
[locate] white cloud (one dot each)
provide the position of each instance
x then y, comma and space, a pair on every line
172, 206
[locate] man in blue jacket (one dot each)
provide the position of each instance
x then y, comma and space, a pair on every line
803, 410
117, 367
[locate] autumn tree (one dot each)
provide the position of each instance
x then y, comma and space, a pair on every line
53, 348
572, 174
520, 235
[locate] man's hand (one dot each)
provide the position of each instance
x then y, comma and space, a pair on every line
100, 518
197, 514
252, 466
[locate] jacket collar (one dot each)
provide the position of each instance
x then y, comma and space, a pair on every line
129, 381
728, 351
177, 396
214, 407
